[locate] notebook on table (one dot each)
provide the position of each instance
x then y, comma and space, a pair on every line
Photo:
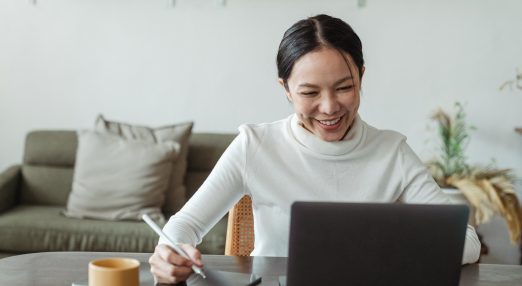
368, 244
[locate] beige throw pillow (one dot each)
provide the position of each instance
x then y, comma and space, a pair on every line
175, 196
119, 179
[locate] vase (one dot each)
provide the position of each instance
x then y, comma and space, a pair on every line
458, 198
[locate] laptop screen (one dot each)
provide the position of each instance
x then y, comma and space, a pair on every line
376, 244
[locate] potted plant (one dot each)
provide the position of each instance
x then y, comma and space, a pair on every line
487, 190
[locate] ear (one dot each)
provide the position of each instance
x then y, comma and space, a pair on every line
360, 79
285, 87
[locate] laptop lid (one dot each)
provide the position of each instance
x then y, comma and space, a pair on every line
368, 244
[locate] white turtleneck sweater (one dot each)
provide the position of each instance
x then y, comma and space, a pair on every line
281, 162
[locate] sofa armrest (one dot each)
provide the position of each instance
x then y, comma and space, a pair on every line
9, 185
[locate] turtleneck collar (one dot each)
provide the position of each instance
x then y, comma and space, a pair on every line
315, 144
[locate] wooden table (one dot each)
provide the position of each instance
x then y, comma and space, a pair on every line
64, 268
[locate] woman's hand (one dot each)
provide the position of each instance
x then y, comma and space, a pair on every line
167, 266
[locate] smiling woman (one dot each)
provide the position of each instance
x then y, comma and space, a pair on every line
324, 92
320, 76
323, 152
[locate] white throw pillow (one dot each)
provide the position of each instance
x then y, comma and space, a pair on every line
176, 193
119, 179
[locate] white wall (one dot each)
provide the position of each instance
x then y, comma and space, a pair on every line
64, 61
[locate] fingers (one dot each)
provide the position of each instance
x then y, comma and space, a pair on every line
169, 255
193, 253
169, 267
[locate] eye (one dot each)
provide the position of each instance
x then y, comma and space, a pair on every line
345, 87
309, 93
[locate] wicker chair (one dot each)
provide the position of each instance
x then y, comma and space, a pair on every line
240, 229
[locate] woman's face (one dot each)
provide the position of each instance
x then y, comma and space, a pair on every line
324, 89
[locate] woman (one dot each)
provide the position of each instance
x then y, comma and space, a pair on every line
323, 152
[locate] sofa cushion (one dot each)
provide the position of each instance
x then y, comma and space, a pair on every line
46, 185
180, 133
48, 167
28, 228
50, 148
205, 150
117, 179
41, 228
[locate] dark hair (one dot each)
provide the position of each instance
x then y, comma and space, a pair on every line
315, 32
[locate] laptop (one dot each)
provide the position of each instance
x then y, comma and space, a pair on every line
371, 244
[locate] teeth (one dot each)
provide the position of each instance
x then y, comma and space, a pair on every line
330, 122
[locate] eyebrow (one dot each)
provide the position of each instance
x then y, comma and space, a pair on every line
335, 83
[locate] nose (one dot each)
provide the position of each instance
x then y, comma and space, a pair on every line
329, 104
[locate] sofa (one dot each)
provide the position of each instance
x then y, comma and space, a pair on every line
34, 194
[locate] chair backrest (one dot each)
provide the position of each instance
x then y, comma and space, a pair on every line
240, 229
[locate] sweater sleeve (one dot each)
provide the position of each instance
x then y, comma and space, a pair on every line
419, 187
220, 191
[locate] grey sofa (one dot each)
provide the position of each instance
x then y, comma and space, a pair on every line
33, 194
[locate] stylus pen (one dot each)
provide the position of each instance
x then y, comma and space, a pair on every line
176, 247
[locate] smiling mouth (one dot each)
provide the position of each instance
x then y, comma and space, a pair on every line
330, 124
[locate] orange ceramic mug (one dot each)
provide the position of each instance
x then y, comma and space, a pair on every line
114, 272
